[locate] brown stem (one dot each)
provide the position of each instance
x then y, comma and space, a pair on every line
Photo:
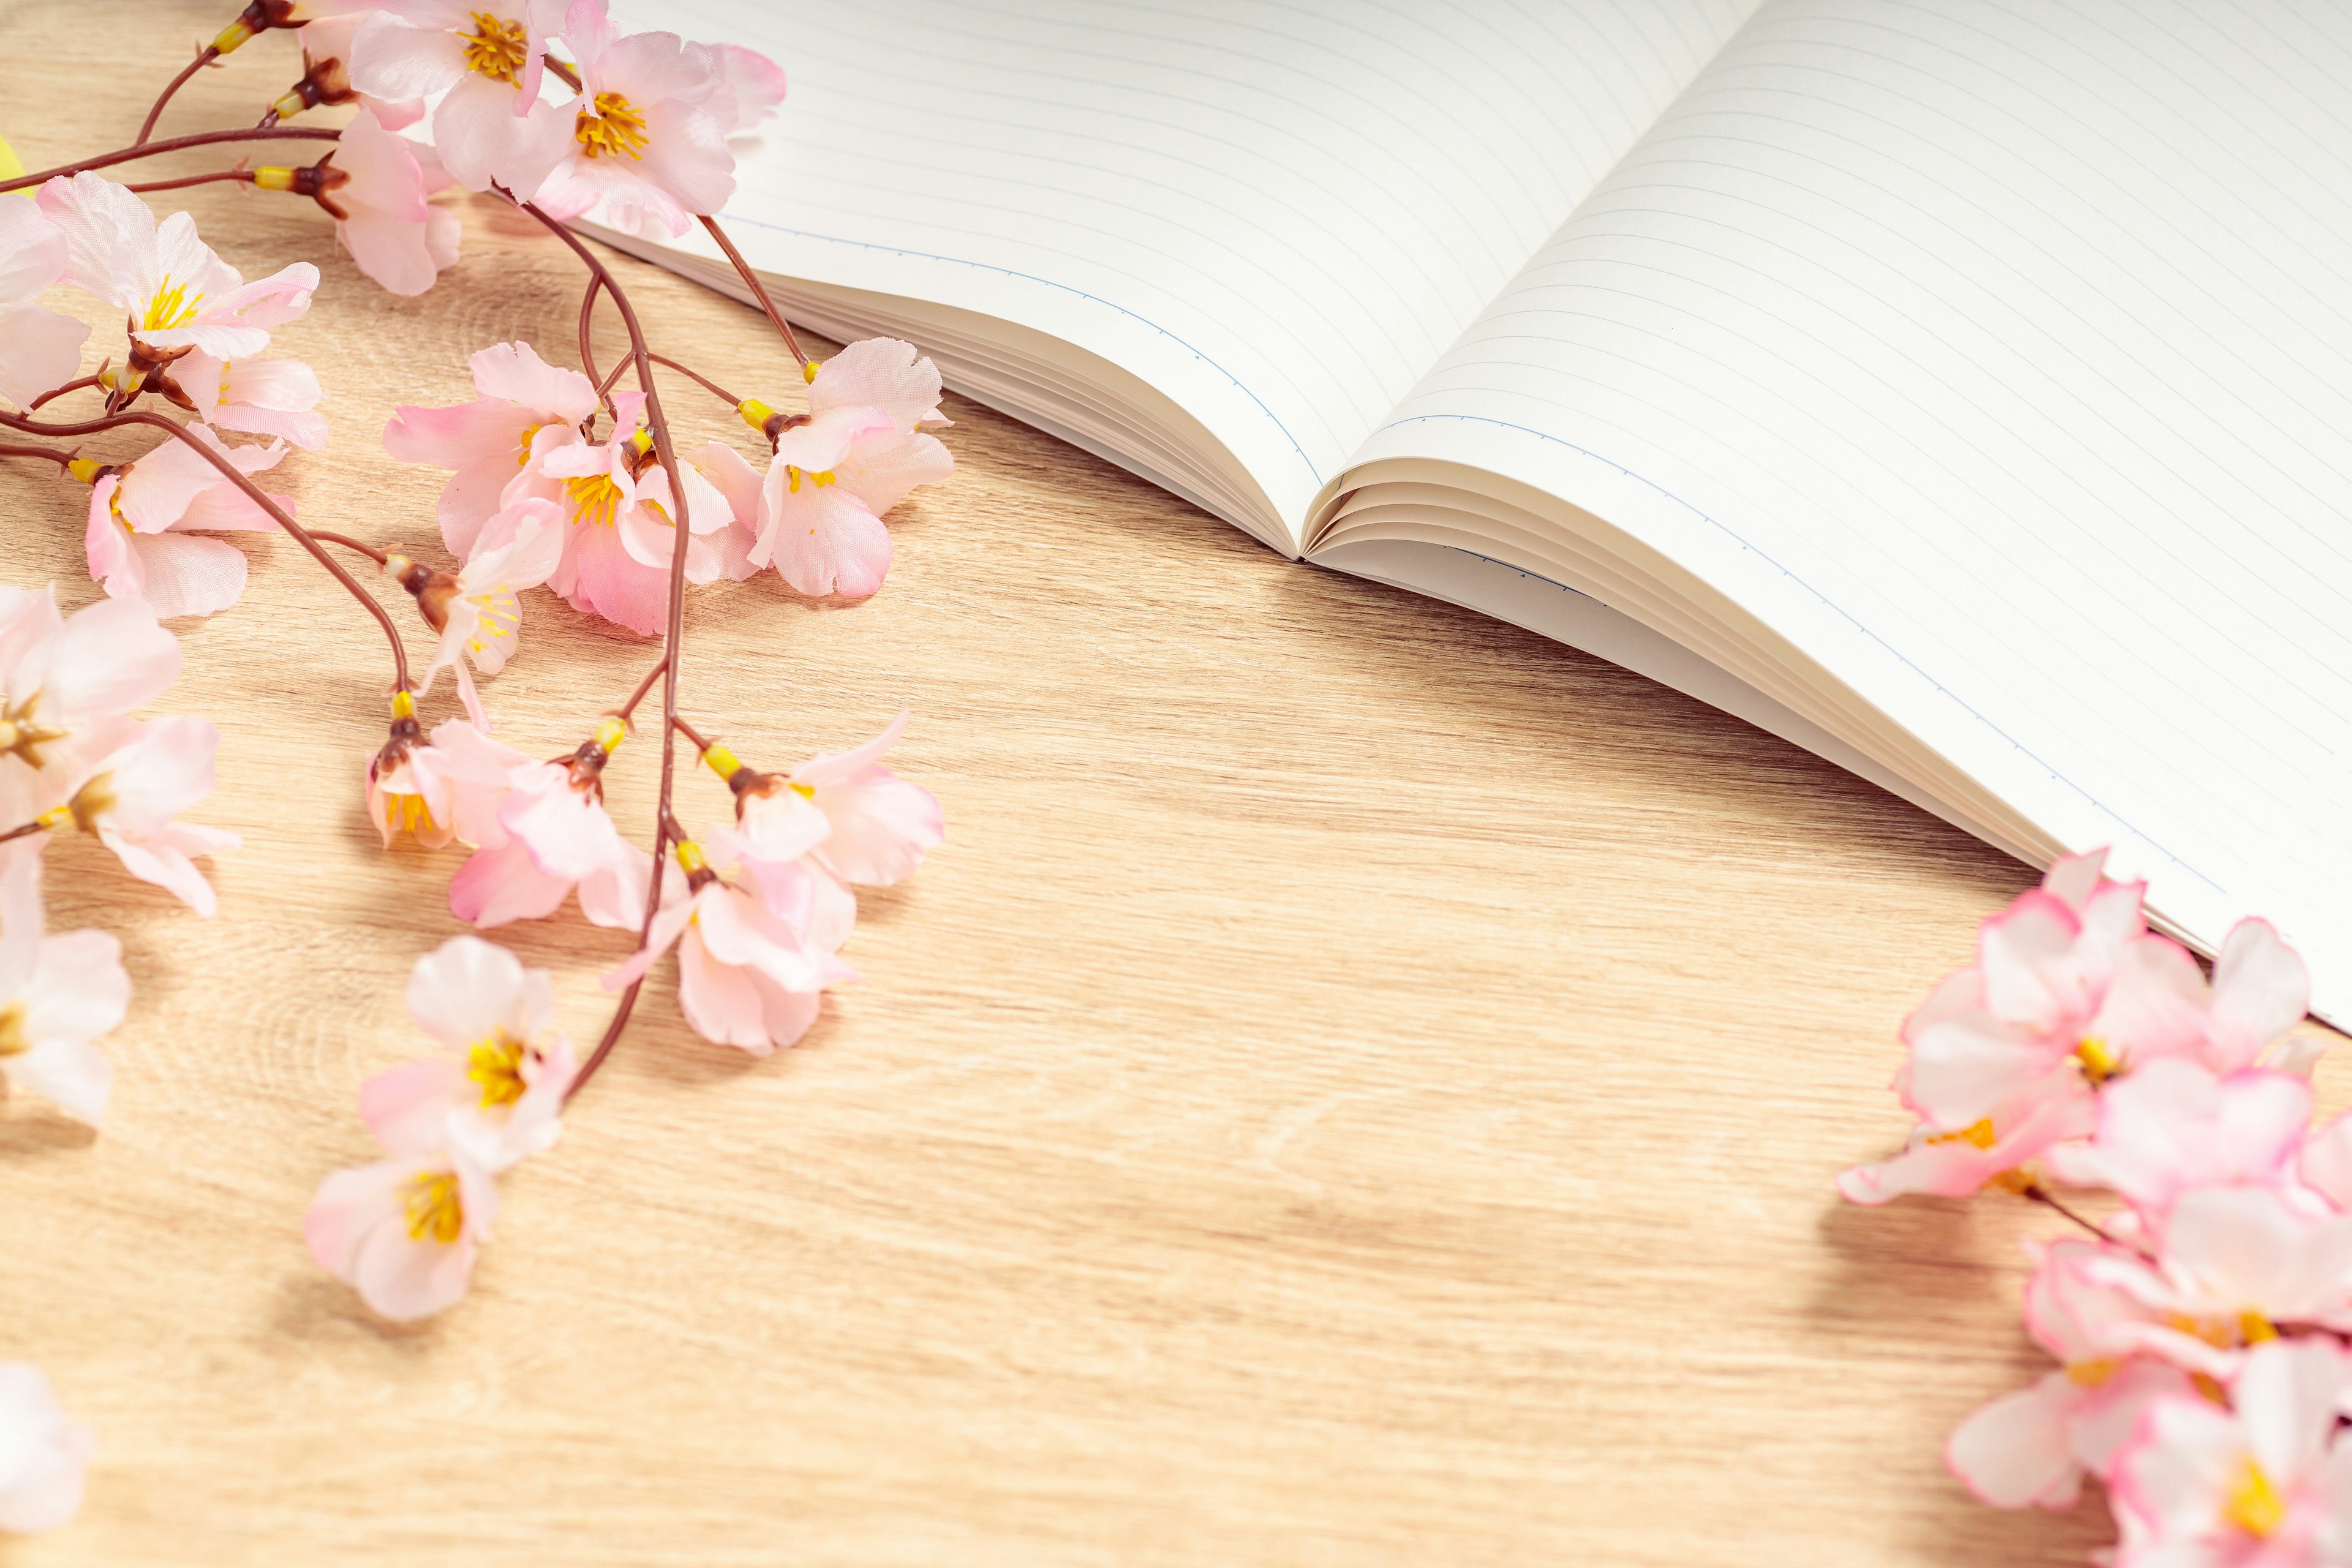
759, 289
688, 731
571, 78
674, 631
25, 831
205, 57
243, 175
2042, 1194
705, 383
626, 709
70, 386
228, 471
369, 550
587, 351
63, 462
173, 144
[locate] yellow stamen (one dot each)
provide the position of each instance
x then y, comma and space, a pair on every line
613, 126
433, 1206
808, 371
2099, 1060
2254, 1504
594, 498
609, 733
403, 705
497, 48
170, 307
690, 858
85, 469
2253, 1329
1980, 1134
793, 477
522, 449
272, 179
755, 413
495, 1063
406, 813
720, 761
2091, 1373
14, 1041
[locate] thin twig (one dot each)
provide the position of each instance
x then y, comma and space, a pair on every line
149, 150
688, 731
254, 493
2042, 1194
705, 383
587, 351
63, 462
205, 57
626, 709
674, 631
243, 175
24, 831
759, 289
75, 386
369, 550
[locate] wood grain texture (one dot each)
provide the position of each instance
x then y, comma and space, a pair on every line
1360, 1085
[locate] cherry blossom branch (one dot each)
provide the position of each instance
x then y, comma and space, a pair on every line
205, 57
760, 292
587, 351
703, 381
243, 175
674, 629
369, 550
175, 145
2039, 1194
626, 709
74, 385
253, 492
64, 463
688, 731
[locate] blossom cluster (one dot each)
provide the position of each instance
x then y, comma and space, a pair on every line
2200, 1329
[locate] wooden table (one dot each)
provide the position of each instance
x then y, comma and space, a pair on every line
1361, 1084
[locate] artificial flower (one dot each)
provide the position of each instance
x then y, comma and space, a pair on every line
327, 76
477, 610
527, 407
44, 1456
501, 1093
746, 87
137, 541
621, 538
258, 396
134, 795
374, 185
58, 994
177, 293
405, 1231
445, 787
886, 373
487, 58
39, 349
882, 825
1999, 1148
2262, 1484
756, 944
69, 682
829, 483
2174, 1124
2232, 1264
551, 834
644, 142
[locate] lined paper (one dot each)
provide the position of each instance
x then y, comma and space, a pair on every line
2000, 355
1278, 212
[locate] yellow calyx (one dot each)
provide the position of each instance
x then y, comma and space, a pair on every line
614, 127
287, 107
434, 1207
86, 469
2254, 1504
497, 48
271, 179
642, 442
808, 371
232, 38
755, 413
2099, 1060
56, 816
720, 761
403, 705
690, 858
609, 733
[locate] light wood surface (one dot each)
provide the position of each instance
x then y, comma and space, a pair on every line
1360, 1085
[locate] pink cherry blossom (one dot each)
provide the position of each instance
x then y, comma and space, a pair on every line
68, 683
488, 59
479, 610
2175, 1124
137, 541
39, 349
2233, 1262
553, 835
882, 825
326, 49
827, 487
886, 373
527, 408
756, 944
375, 184
177, 293
644, 142
501, 1094
406, 1231
2261, 990
1959, 1164
44, 1456
450, 786
259, 396
618, 547
738, 483
133, 797
748, 87
58, 994
2263, 1483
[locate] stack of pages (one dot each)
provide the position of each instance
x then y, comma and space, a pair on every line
1963, 393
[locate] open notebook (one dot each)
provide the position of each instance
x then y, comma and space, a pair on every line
1962, 391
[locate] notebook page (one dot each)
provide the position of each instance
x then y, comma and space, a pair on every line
2000, 355
1278, 212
